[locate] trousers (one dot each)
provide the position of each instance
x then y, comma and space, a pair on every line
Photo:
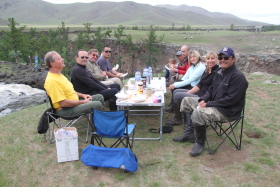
202, 116
97, 103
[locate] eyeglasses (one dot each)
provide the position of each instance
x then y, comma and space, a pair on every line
108, 51
221, 58
82, 57
94, 55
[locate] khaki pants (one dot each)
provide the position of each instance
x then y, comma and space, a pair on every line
201, 116
115, 80
97, 103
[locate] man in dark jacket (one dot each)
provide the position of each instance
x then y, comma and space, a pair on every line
222, 102
84, 82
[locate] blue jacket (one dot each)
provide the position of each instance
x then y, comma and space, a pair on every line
192, 76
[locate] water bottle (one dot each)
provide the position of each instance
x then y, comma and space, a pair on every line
137, 76
150, 72
145, 72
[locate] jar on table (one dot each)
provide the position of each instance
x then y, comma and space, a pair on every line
140, 87
144, 81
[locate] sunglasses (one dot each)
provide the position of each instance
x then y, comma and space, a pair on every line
221, 58
108, 51
94, 55
82, 57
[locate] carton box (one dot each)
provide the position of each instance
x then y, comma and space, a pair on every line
67, 146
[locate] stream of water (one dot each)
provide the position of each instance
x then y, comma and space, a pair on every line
15, 97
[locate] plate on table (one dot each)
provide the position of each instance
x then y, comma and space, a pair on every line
139, 98
122, 96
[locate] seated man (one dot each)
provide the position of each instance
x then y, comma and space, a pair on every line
95, 70
65, 99
84, 82
222, 102
105, 66
180, 68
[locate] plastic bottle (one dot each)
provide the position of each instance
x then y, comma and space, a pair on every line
137, 76
145, 72
151, 72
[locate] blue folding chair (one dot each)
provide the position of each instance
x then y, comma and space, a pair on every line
122, 158
113, 125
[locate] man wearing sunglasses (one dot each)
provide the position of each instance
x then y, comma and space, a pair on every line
65, 99
222, 102
95, 70
105, 65
84, 82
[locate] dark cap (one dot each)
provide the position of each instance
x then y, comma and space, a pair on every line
227, 51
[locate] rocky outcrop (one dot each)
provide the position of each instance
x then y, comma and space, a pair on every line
23, 74
253, 63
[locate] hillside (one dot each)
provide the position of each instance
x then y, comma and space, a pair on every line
39, 12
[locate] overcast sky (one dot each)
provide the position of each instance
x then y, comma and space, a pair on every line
265, 11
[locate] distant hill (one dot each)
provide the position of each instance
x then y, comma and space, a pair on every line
39, 12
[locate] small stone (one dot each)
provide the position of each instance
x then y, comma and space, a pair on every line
207, 169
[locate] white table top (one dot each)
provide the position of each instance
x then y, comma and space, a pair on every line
160, 89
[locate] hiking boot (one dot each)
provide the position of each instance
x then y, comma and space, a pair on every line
174, 122
188, 134
200, 140
169, 109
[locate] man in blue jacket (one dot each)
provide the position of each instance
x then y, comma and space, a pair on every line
222, 102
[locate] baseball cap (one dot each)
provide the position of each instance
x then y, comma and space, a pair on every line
179, 53
227, 51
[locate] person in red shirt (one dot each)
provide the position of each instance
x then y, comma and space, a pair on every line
180, 70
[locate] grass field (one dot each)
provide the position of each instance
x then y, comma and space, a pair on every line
242, 41
27, 160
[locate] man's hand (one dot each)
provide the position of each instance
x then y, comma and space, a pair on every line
171, 87
103, 73
202, 104
86, 97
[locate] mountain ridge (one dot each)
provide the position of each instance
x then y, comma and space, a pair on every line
39, 12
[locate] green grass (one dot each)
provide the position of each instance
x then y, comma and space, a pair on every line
27, 160
240, 41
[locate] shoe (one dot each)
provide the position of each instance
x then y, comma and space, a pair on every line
174, 122
169, 110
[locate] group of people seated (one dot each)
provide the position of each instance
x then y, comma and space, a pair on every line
93, 81
206, 93
201, 93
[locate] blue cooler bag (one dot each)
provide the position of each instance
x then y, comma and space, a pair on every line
105, 157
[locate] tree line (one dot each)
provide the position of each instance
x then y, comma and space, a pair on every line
20, 46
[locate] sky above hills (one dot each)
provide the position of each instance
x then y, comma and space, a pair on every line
263, 11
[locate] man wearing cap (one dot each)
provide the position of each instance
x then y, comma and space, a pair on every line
222, 102
180, 69
183, 57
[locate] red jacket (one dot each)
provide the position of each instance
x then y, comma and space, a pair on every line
183, 70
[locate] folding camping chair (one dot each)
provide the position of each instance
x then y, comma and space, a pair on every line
70, 121
228, 131
112, 124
